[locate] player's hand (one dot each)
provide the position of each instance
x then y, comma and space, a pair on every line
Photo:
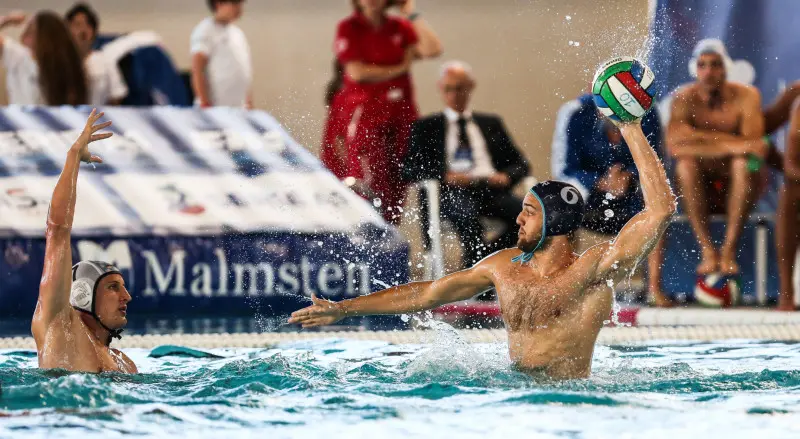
15, 18
499, 180
322, 312
88, 136
458, 179
759, 148
407, 7
616, 182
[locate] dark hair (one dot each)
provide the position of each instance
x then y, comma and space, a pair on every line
212, 4
62, 78
83, 8
335, 84
389, 4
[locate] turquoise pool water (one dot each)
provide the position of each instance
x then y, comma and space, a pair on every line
337, 388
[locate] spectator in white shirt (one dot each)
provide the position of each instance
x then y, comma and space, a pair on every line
106, 86
46, 68
221, 67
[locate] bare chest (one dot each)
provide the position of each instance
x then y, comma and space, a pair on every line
69, 345
726, 118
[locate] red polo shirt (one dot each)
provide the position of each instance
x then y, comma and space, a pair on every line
358, 40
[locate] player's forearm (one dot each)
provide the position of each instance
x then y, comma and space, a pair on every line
62, 204
792, 173
710, 150
687, 135
361, 72
429, 44
658, 196
200, 86
396, 300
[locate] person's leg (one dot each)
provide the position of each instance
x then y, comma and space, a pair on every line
387, 176
461, 207
693, 198
786, 241
741, 194
371, 158
654, 261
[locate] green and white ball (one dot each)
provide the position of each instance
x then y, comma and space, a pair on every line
624, 89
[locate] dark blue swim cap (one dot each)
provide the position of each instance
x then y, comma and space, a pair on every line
562, 208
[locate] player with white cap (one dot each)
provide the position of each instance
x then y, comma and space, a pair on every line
82, 307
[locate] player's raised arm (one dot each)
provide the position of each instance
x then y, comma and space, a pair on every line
643, 231
56, 277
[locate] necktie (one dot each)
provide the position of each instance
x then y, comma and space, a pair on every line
463, 139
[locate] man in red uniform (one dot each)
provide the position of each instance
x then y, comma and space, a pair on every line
376, 51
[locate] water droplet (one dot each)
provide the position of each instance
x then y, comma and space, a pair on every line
609, 213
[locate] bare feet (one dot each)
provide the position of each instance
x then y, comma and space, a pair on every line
658, 299
786, 303
727, 263
709, 261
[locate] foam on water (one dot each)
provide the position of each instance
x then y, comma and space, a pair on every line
338, 388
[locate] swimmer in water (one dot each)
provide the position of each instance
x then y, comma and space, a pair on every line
82, 307
553, 301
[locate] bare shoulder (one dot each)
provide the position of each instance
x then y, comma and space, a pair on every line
56, 326
685, 93
745, 91
593, 255
584, 269
495, 262
130, 366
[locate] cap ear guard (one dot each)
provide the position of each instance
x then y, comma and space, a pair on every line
82, 295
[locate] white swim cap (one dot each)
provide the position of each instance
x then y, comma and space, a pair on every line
737, 71
85, 277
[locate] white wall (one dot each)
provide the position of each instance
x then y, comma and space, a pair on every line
519, 50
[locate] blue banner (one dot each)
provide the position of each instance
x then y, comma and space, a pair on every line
756, 33
206, 212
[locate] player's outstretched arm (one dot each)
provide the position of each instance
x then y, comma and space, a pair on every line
408, 298
56, 276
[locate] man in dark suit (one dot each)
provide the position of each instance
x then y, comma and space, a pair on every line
474, 158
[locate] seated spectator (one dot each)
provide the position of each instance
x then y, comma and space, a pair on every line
715, 136
376, 49
105, 80
589, 152
787, 227
46, 69
473, 156
222, 72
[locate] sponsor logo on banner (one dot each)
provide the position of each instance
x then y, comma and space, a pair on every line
12, 144
116, 253
179, 202
233, 140
219, 278
21, 200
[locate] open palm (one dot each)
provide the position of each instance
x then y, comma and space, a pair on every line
322, 312
88, 136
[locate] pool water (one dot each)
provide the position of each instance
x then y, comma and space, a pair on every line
339, 388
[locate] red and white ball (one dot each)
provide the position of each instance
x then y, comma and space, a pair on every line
717, 291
